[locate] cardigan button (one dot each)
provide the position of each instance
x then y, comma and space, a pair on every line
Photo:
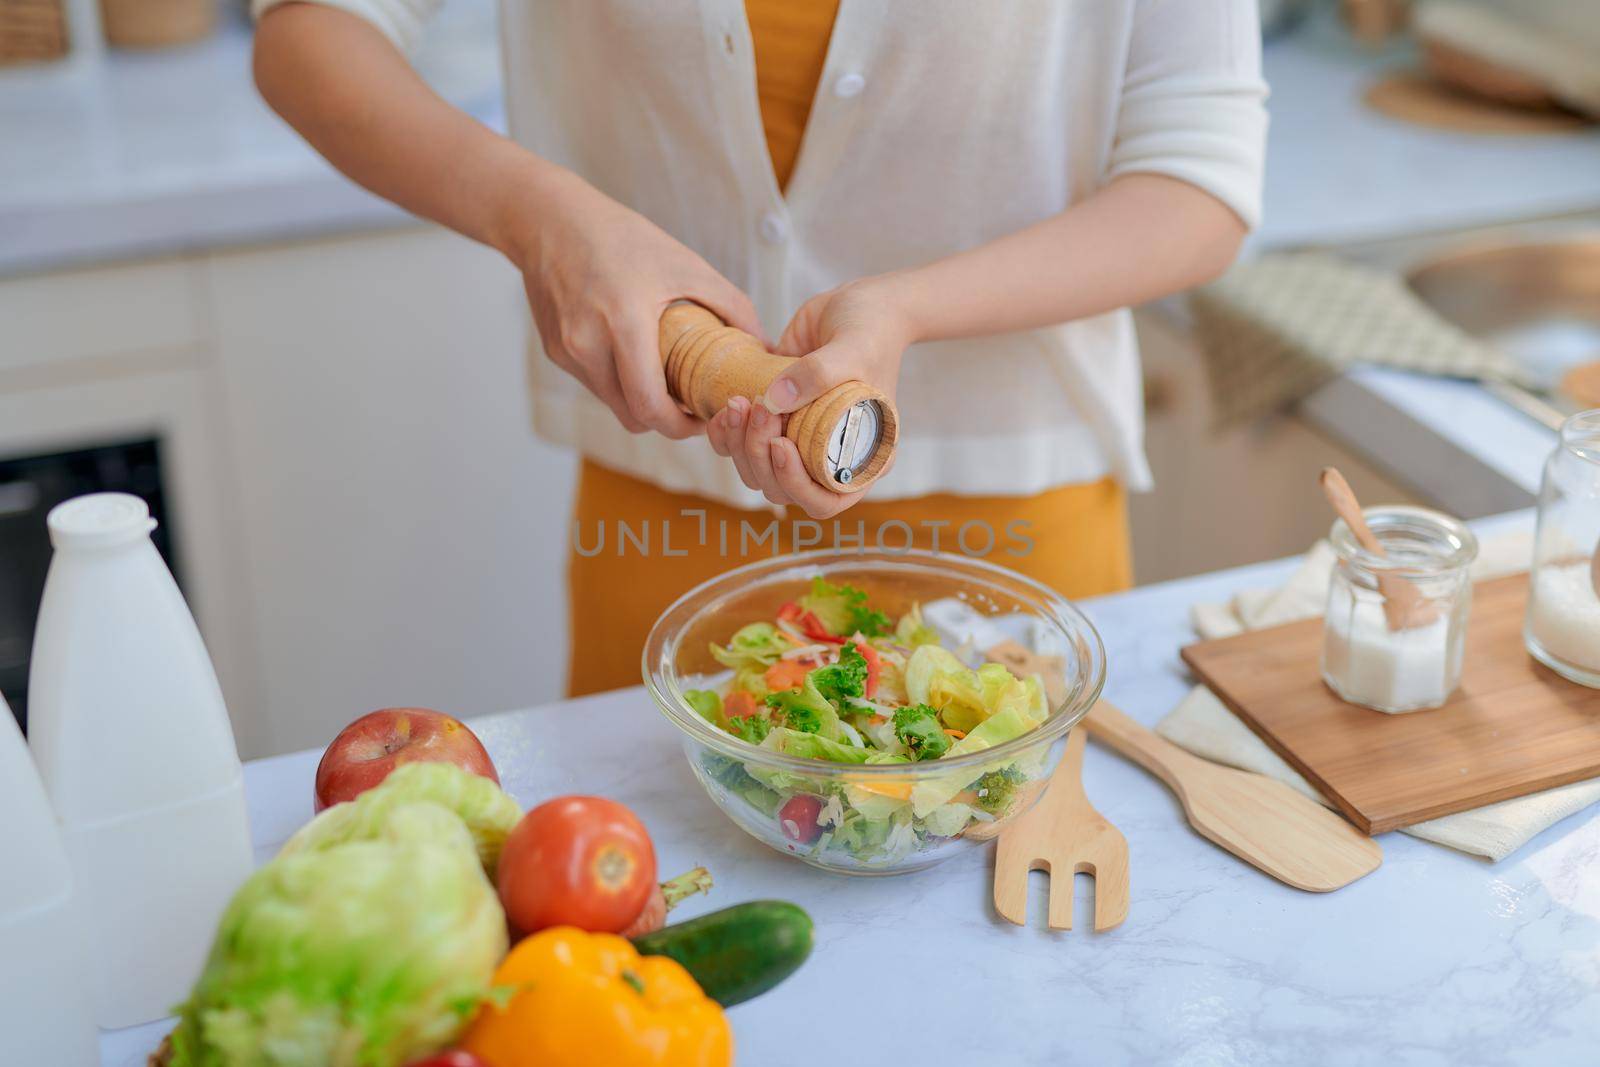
849, 85
773, 228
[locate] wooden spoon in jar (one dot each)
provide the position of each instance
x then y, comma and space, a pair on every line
1403, 604
1594, 570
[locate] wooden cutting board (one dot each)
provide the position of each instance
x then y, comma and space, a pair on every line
1514, 727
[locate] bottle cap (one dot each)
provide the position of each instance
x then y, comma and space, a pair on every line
99, 520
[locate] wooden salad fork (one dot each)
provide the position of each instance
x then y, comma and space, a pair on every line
1064, 836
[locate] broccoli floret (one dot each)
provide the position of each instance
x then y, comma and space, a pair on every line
919, 728
997, 790
867, 622
806, 710
797, 716
844, 679
751, 728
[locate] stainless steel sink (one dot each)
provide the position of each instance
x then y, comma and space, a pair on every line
1530, 288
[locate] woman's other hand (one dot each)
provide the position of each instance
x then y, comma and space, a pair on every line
598, 277
859, 332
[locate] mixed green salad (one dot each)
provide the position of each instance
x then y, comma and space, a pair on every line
832, 679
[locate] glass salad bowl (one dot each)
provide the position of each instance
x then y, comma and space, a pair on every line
885, 818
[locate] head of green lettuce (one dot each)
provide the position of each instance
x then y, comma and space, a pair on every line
370, 941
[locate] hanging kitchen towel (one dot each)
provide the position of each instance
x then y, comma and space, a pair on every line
1202, 724
1276, 328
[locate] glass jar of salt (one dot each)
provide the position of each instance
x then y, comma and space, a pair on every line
1398, 660
1562, 628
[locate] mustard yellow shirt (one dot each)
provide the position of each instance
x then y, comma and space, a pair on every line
791, 45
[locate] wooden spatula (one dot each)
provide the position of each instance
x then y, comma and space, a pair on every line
1258, 819
1404, 606
1063, 835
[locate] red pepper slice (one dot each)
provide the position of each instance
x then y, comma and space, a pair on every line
874, 664
808, 623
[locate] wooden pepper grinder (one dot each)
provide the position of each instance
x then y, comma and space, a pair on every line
845, 437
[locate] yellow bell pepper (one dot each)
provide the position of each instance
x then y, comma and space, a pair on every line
579, 999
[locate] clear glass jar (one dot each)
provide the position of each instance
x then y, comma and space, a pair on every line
1363, 660
1562, 629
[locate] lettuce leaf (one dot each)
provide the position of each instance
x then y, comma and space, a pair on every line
709, 706
965, 698
752, 679
488, 812
912, 632
997, 729
843, 610
758, 644
806, 710
948, 820
813, 746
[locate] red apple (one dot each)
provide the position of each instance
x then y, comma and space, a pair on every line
368, 749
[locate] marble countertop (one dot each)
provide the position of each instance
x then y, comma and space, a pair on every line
174, 151
1339, 171
1435, 958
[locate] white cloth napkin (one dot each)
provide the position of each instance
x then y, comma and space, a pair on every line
1203, 724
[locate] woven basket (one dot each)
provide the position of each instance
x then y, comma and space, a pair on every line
32, 31
156, 23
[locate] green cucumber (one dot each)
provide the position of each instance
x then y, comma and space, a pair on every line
738, 952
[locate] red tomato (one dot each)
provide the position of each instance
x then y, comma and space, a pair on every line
740, 704
798, 818
874, 665
577, 861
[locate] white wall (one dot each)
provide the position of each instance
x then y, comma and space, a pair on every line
403, 533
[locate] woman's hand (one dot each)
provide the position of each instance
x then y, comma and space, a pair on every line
598, 277
858, 331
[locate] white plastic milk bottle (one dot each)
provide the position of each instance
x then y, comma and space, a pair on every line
131, 738
45, 1011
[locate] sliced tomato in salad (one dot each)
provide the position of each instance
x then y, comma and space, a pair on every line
808, 623
874, 664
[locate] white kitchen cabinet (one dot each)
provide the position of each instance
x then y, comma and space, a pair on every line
1234, 496
70, 324
404, 534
